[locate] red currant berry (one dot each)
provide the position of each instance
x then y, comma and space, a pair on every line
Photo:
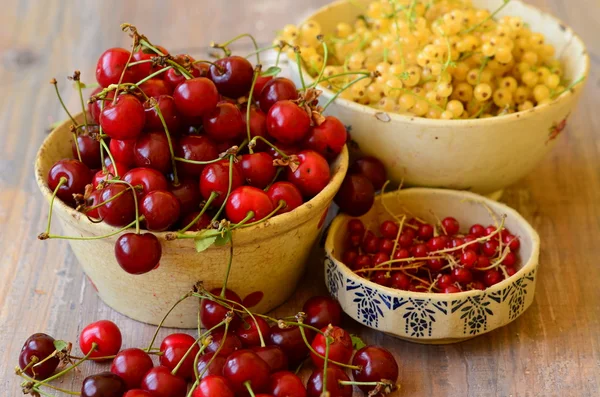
475, 246
160, 209
425, 232
312, 174
451, 289
492, 277
509, 260
445, 281
386, 246
287, 122
382, 278
119, 207
402, 253
349, 258
371, 168
112, 64
327, 138
224, 123
105, 334
124, 118
212, 313
131, 365
322, 311
468, 259
356, 226
275, 90
196, 97
356, 195
77, 174
380, 258
248, 331
315, 388
138, 253
161, 383
400, 281
510, 271
436, 243
482, 262
215, 178
370, 243
376, 364
462, 275
214, 386
450, 225
258, 169
244, 366
477, 230
362, 262
489, 230
246, 199
435, 265
389, 229
224, 345
104, 384
490, 248
232, 75
512, 241
419, 250
40, 346
406, 238
287, 192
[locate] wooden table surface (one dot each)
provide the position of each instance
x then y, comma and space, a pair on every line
552, 350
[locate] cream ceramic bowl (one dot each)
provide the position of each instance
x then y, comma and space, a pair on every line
268, 258
482, 155
431, 317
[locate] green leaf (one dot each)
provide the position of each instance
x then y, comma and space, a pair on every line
357, 343
206, 239
83, 85
60, 345
271, 71
223, 239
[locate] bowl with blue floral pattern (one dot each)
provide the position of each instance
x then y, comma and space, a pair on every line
429, 317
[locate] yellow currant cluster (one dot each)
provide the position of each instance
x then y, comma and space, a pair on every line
441, 59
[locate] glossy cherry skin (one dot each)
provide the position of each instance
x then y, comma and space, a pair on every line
224, 123
214, 386
138, 253
356, 195
376, 364
275, 90
258, 125
89, 149
152, 150
258, 169
110, 66
287, 122
174, 347
110, 173
119, 211
215, 177
145, 69
214, 368
188, 193
173, 77
312, 174
287, 192
166, 105
200, 224
138, 393
288, 150
161, 383
314, 387
245, 199
248, 331
321, 311
291, 342
328, 138
273, 355
95, 107
123, 119
92, 201
245, 366
260, 83
372, 168
149, 178
160, 209
78, 175
340, 346
131, 365
232, 75
286, 384
155, 87
212, 313
122, 151
224, 347
105, 384
196, 97
41, 346
105, 334
196, 148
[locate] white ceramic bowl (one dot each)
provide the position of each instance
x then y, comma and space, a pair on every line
481, 155
431, 317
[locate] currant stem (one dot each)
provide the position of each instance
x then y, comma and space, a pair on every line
344, 88
249, 106
335, 76
57, 237
213, 195
55, 84
158, 327
61, 182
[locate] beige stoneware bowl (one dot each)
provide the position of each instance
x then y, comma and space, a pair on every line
481, 155
268, 258
431, 317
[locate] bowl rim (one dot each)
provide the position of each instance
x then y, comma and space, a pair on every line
285, 221
397, 117
531, 234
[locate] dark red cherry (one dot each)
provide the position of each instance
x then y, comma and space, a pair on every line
312, 174
224, 123
258, 125
200, 224
288, 150
372, 168
188, 193
131, 365
222, 344
215, 178
287, 192
314, 387
105, 334
160, 209
328, 138
212, 313
145, 69
340, 346
232, 75
286, 384
138, 253
105, 384
291, 342
274, 356
275, 90
117, 210
93, 200
89, 149
376, 364
248, 331
287, 122
39, 346
166, 105
260, 83
173, 77
149, 178
95, 107
152, 150
111, 65
124, 118
155, 87
245, 366
122, 151
110, 173
321, 311
137, 393
196, 97
161, 383
77, 174
207, 365
174, 347
356, 195
214, 386
258, 169
246, 199
196, 148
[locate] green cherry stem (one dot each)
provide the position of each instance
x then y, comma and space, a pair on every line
187, 353
72, 393
227, 321
325, 362
64, 371
135, 202
57, 237
253, 143
228, 190
110, 156
249, 388
228, 52
162, 321
263, 49
248, 216
111, 199
213, 195
101, 139
249, 105
281, 205
228, 270
197, 162
124, 70
142, 81
170, 142
277, 173
79, 89
55, 84
61, 182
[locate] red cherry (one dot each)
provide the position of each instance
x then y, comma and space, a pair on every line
137, 393
287, 122
314, 387
232, 75
389, 229
93, 200
286, 384
188, 193
149, 178
287, 192
155, 87
287, 149
273, 356
138, 253
340, 346
509, 260
196, 97
109, 173
492, 277
260, 83
89, 149
224, 123
122, 151
258, 125
95, 107
214, 368
400, 281
40, 346
258, 169
376, 364
78, 175
105, 334
248, 331
291, 342
196, 148
215, 178
145, 69
161, 383
123, 119
328, 138
111, 65
356, 195
117, 210
214, 386
372, 168
160, 209
245, 199
212, 313
321, 311
275, 90
224, 346
245, 366
131, 365
104, 384
152, 150
173, 77
166, 105
174, 347
312, 174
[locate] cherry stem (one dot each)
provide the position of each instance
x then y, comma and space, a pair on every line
278, 56
228, 52
277, 173
241, 223
109, 200
227, 321
263, 49
213, 195
139, 62
55, 84
158, 327
325, 56
61, 182
82, 103
253, 143
344, 88
189, 350
64, 371
228, 189
196, 374
76, 145
169, 141
73, 393
142, 81
299, 63
54, 236
135, 203
112, 357
325, 362
282, 204
249, 105
228, 270
125, 68
181, 159
100, 132
110, 156
249, 388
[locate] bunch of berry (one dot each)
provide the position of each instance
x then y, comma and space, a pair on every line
417, 256
171, 143
241, 354
437, 59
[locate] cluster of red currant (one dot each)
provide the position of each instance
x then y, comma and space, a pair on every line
241, 354
179, 144
414, 255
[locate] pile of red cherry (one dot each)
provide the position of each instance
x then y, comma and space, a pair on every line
248, 356
423, 257
176, 135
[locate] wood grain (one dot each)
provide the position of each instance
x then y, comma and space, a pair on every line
552, 350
